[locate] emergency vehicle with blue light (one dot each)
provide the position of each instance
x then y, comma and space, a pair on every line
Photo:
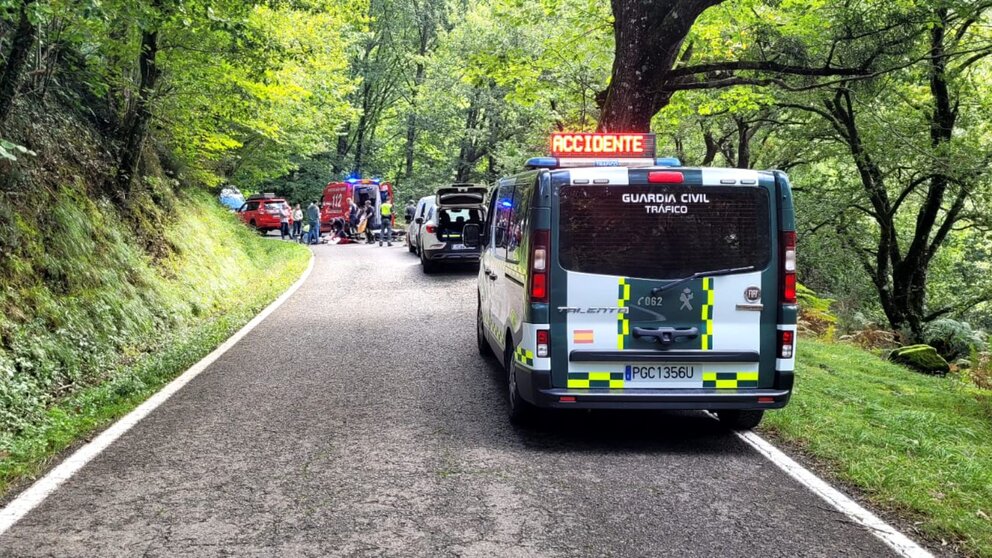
334, 200
610, 278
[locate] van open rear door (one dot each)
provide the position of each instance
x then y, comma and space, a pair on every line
667, 286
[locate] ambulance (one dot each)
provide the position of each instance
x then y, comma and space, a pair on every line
334, 199
612, 279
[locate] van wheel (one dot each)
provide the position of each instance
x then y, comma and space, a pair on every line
485, 351
740, 420
409, 245
521, 412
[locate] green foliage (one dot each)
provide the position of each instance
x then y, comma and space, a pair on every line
9, 150
82, 298
952, 338
915, 444
815, 315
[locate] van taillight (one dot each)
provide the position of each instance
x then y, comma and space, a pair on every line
543, 343
789, 267
786, 343
539, 266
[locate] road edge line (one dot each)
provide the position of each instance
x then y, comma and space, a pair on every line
894, 539
34, 495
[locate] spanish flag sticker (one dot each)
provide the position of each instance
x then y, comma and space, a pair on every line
582, 336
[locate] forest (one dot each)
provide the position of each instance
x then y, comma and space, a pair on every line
877, 109
121, 121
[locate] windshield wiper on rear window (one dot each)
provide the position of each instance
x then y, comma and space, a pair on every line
729, 271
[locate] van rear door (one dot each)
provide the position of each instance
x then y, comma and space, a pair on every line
666, 285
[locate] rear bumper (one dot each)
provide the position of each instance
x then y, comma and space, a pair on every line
535, 387
447, 255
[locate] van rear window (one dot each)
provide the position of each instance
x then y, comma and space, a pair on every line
663, 231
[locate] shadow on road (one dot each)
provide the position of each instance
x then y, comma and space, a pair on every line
604, 431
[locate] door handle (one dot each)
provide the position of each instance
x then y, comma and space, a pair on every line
666, 335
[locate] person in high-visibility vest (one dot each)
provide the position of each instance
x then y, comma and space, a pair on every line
386, 217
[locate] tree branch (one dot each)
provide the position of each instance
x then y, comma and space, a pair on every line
765, 66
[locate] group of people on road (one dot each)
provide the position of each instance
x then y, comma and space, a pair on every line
305, 231
304, 225
363, 218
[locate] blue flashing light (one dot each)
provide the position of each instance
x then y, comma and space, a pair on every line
352, 181
506, 203
542, 163
668, 162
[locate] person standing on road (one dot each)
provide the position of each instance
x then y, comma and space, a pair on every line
409, 212
386, 217
354, 216
368, 215
284, 220
297, 222
313, 219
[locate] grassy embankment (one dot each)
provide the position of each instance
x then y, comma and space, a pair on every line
917, 445
100, 309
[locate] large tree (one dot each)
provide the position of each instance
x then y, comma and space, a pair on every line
653, 60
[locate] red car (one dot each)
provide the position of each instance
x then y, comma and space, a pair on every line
261, 212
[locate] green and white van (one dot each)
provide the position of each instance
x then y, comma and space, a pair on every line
635, 283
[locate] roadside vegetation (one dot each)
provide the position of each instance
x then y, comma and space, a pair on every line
93, 324
917, 445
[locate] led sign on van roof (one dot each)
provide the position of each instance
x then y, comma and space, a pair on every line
627, 146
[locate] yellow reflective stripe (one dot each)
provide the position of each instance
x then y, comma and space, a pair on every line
725, 384
620, 341
599, 375
709, 376
747, 376
616, 384
578, 384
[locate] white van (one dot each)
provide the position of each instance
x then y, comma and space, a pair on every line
630, 282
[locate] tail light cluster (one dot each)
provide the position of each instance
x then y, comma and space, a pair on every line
430, 228
539, 267
786, 343
789, 267
543, 343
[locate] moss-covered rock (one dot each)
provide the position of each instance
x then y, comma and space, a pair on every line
922, 358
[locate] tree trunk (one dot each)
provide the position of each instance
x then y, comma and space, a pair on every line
20, 47
649, 35
411, 120
425, 39
360, 144
743, 144
136, 124
468, 152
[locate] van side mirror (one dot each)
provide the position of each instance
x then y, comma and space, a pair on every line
472, 235
419, 220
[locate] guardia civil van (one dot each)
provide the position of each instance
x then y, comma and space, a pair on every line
611, 279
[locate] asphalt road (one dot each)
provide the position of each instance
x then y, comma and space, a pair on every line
359, 420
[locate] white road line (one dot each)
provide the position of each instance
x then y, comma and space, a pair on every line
902, 544
43, 487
